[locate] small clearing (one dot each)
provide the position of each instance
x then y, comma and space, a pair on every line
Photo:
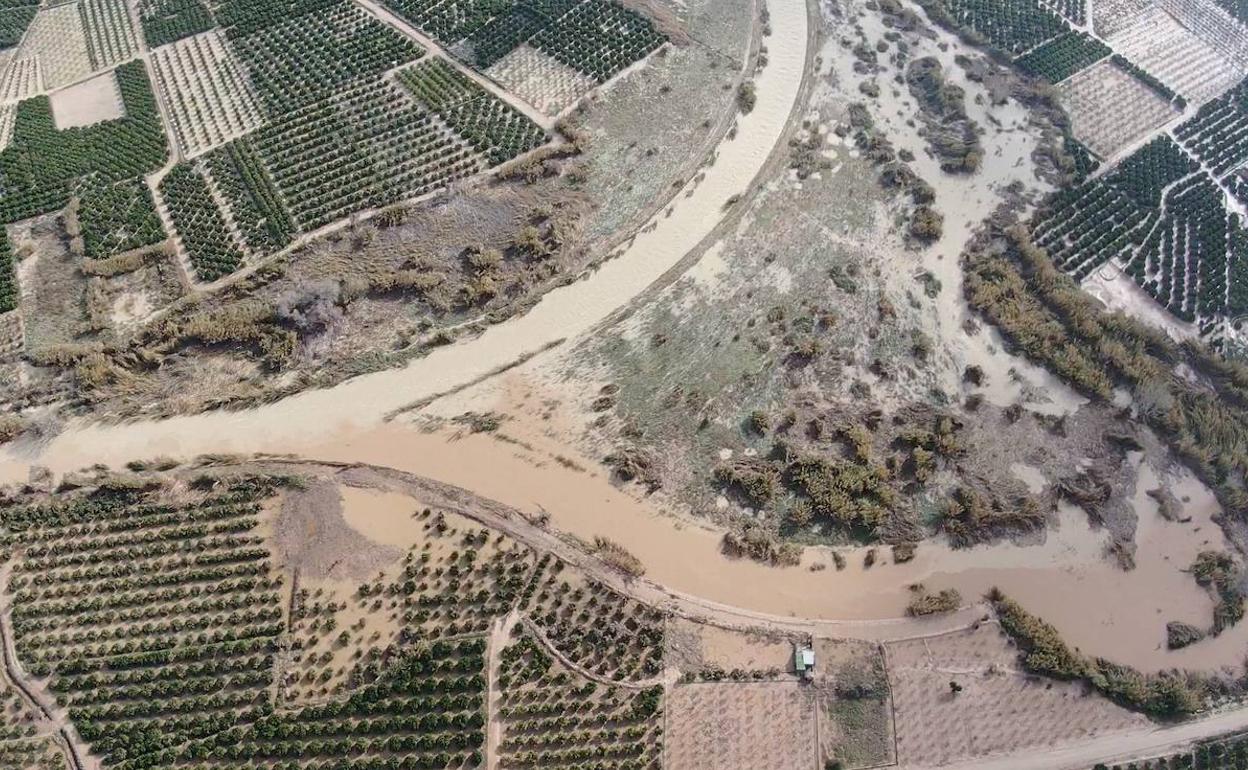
91, 101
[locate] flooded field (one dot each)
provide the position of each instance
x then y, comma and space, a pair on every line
1067, 580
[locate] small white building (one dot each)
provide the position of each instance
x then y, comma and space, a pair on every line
804, 661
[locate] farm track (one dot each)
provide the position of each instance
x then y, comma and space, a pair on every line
16, 678
577, 309
514, 524
433, 48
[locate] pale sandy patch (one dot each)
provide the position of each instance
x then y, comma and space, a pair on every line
383, 517
999, 709
762, 726
58, 39
549, 85
1109, 109
91, 101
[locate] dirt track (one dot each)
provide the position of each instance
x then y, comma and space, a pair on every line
1078, 755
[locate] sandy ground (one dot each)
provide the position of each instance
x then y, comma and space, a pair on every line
999, 708
762, 726
1119, 291
91, 101
1110, 109
313, 535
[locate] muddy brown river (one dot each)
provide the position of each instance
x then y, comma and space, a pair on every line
1098, 607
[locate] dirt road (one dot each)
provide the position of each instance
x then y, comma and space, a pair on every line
1111, 749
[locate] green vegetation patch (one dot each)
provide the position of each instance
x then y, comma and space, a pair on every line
1063, 56
156, 623
1042, 651
309, 58
1218, 134
247, 16
449, 20
425, 708
371, 146
492, 127
14, 19
205, 236
167, 21
599, 38
1012, 26
116, 217
551, 718
40, 165
8, 274
253, 199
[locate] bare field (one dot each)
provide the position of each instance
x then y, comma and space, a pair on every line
998, 709
210, 97
1184, 62
698, 647
547, 84
760, 725
58, 39
91, 101
1109, 109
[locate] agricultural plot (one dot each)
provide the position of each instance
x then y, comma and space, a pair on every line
1218, 134
1111, 16
1175, 56
424, 708
598, 38
1074, 11
1161, 219
1109, 109
493, 128
553, 718
207, 239
20, 79
594, 627
251, 197
8, 116
156, 623
87, 103
1013, 26
15, 19
111, 38
26, 738
115, 218
1212, 25
207, 91
457, 582
167, 21
9, 290
729, 724
41, 163
58, 38
243, 17
1063, 56
594, 37
547, 84
313, 57
1109, 218
998, 709
369, 147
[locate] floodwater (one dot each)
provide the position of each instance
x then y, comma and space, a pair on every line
1064, 580
1068, 580
291, 424
965, 201
382, 517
